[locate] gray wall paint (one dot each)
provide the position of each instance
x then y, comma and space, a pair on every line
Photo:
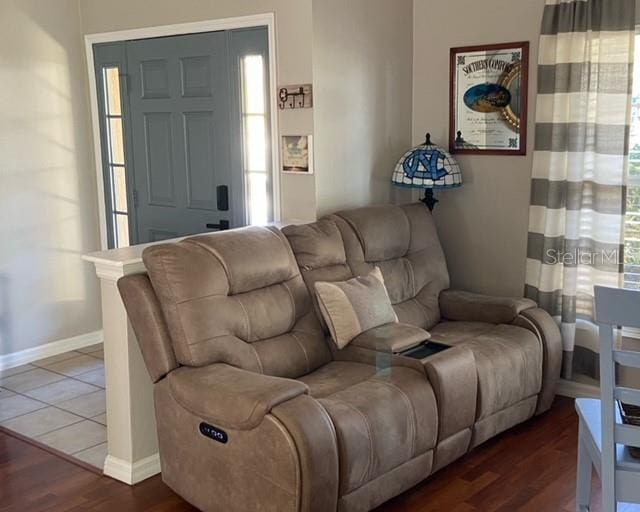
293, 20
48, 215
483, 225
362, 92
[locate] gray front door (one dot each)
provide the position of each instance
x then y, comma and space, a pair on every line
181, 120
184, 120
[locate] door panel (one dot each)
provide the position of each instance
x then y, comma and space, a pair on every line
158, 143
180, 113
200, 159
154, 78
195, 73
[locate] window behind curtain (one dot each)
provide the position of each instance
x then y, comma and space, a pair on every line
632, 221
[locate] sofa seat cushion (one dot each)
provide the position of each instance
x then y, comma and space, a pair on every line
383, 418
508, 361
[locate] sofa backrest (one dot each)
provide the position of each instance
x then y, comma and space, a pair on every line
237, 297
147, 320
403, 242
319, 251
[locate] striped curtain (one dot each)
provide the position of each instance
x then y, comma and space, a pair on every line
576, 217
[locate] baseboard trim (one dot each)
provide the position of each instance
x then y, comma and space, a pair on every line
132, 473
574, 389
52, 348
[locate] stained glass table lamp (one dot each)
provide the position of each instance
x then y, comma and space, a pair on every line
427, 166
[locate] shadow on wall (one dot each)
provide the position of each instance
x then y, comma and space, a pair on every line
47, 186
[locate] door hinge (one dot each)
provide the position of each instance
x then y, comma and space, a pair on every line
135, 198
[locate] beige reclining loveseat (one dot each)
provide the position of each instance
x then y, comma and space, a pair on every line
258, 410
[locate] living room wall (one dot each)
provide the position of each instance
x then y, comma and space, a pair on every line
293, 32
48, 216
362, 114
483, 225
359, 56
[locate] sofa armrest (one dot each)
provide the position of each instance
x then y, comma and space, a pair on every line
392, 338
231, 397
545, 327
453, 376
287, 462
473, 307
314, 436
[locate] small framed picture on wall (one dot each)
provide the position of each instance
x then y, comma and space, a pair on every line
297, 154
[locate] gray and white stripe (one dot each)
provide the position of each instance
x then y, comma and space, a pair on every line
576, 218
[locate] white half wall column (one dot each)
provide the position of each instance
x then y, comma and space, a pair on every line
132, 453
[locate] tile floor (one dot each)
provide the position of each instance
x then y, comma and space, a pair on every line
59, 401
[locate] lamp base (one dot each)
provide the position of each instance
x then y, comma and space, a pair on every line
429, 200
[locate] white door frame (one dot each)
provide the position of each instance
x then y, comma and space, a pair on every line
254, 20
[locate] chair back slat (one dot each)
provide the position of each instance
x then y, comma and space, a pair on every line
617, 306
627, 358
627, 435
627, 395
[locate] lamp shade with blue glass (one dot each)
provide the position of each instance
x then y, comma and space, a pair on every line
427, 166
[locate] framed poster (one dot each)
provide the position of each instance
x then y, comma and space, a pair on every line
297, 154
488, 99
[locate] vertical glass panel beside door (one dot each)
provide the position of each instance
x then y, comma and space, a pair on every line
250, 51
110, 74
119, 212
254, 121
632, 219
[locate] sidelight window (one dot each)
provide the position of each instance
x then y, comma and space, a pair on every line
254, 125
119, 214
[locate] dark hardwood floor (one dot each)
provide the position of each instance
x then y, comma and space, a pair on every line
530, 468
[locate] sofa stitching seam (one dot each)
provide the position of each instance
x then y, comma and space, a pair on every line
247, 322
359, 236
258, 360
215, 254
214, 338
411, 409
293, 303
230, 295
367, 473
422, 309
412, 275
175, 307
304, 350
296, 462
246, 423
289, 249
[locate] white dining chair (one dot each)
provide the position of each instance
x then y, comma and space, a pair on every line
603, 438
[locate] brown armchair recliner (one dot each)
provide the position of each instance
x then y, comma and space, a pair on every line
255, 408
